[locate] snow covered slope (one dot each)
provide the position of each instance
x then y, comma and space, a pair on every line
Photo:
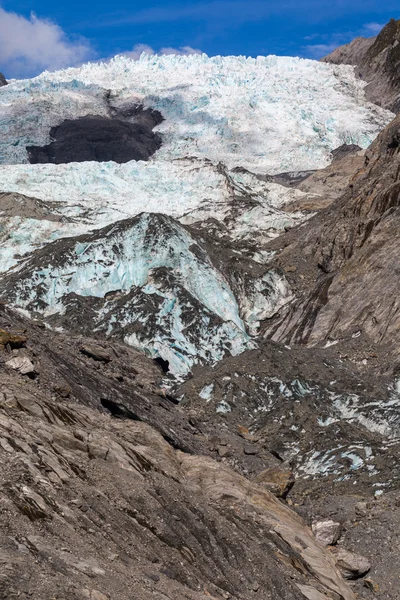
269, 114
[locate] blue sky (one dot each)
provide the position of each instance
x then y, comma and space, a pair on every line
39, 34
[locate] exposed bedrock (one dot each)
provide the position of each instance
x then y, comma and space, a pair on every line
101, 139
377, 61
107, 488
346, 258
3, 80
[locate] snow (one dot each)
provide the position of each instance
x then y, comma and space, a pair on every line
269, 114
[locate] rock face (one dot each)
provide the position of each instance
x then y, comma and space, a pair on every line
349, 251
3, 80
97, 503
377, 61
96, 139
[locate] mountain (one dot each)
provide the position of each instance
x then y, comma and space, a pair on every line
199, 330
3, 80
348, 255
217, 138
377, 61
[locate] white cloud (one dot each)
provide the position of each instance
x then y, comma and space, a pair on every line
139, 48
184, 51
29, 46
319, 50
373, 28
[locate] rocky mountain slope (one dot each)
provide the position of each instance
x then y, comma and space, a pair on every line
347, 255
103, 492
197, 360
377, 61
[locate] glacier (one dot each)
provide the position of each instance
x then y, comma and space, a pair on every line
229, 124
267, 114
150, 282
86, 196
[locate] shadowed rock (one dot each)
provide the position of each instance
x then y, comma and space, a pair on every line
100, 139
3, 80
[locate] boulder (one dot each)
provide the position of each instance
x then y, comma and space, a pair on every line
327, 532
96, 352
277, 480
352, 565
22, 364
14, 340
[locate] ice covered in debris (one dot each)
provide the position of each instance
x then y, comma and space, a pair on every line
150, 281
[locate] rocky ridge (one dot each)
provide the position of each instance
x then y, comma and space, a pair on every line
377, 61
350, 247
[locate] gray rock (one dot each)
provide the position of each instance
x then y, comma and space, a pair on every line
327, 532
377, 61
97, 138
352, 566
96, 352
3, 80
22, 364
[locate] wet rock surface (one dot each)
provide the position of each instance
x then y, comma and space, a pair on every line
98, 139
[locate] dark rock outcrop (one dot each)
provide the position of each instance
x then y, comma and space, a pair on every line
102, 139
3, 80
377, 61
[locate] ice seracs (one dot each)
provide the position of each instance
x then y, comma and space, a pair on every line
151, 282
142, 272
86, 196
267, 114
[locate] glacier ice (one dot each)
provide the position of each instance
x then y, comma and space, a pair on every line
86, 196
229, 121
267, 114
149, 271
